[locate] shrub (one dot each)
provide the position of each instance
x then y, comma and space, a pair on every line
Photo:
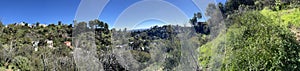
254, 42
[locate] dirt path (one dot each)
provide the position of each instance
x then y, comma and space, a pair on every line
297, 32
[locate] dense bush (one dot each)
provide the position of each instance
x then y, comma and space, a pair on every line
256, 43
140, 56
22, 63
253, 42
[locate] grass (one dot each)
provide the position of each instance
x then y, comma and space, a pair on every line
284, 17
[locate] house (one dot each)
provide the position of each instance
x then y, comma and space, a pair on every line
130, 42
35, 45
21, 24
143, 48
68, 43
119, 46
49, 43
42, 25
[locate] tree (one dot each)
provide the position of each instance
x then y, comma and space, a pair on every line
216, 21
199, 15
37, 24
106, 30
106, 26
232, 5
101, 24
92, 24
1, 24
195, 18
26, 24
59, 23
222, 8
193, 21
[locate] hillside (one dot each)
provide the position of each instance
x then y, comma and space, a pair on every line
239, 35
257, 38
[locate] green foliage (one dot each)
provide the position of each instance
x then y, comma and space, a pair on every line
174, 54
211, 53
1, 24
283, 17
140, 56
18, 50
2, 68
291, 17
22, 63
253, 42
232, 5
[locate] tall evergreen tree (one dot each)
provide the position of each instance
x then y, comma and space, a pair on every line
1, 24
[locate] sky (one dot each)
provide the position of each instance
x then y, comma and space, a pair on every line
112, 12
32, 11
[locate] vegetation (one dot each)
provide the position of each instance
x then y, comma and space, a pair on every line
240, 35
255, 38
276, 49
285, 17
19, 40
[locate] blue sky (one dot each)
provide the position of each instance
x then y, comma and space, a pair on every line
43, 11
52, 11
